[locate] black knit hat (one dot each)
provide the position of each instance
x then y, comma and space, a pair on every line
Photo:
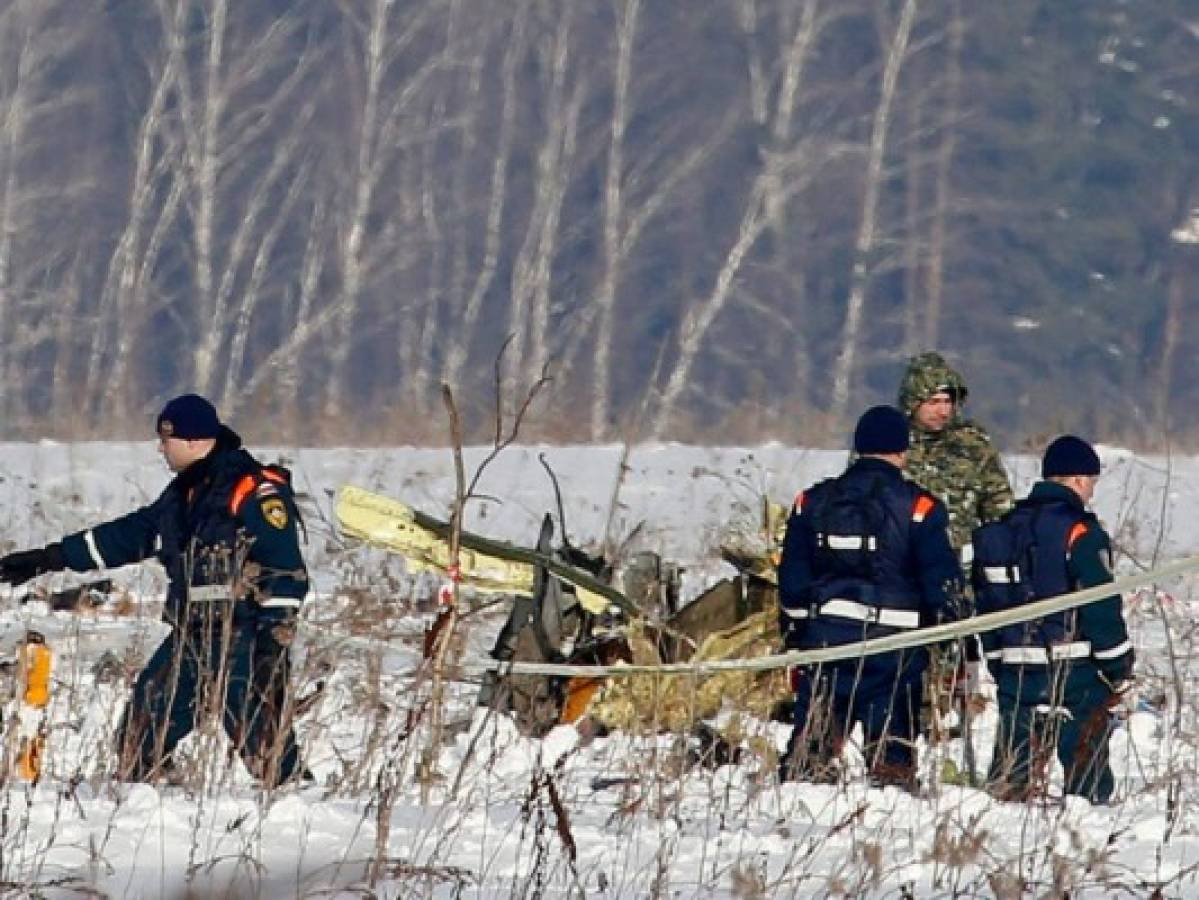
189, 417
1069, 455
882, 429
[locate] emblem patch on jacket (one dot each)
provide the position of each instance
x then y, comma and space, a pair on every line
275, 512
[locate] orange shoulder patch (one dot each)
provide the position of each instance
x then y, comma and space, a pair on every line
241, 491
1079, 529
922, 507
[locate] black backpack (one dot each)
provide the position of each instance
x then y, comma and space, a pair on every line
848, 526
1003, 571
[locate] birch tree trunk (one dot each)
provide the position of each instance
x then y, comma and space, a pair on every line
202, 150
14, 133
601, 404
528, 312
462, 338
913, 233
251, 294
291, 385
386, 127
1182, 262
784, 112
699, 318
123, 300
355, 228
39, 240
770, 191
935, 287
864, 245
1176, 301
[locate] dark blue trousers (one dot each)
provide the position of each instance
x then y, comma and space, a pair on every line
241, 671
1037, 718
831, 699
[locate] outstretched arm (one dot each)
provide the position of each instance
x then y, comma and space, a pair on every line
130, 538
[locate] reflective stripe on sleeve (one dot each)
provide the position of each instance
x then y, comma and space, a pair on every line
281, 603
89, 540
1111, 653
209, 593
1039, 656
796, 613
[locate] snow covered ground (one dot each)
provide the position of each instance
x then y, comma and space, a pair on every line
616, 816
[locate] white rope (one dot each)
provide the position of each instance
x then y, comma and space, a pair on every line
918, 638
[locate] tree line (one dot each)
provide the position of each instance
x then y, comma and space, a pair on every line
721, 222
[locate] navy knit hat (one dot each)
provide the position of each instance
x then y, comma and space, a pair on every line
882, 429
1069, 455
189, 417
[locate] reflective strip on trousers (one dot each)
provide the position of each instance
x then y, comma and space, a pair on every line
1040, 656
209, 593
852, 609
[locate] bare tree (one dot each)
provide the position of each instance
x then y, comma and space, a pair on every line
155, 195
864, 246
219, 137
1181, 267
383, 128
515, 45
938, 238
635, 193
252, 293
913, 199
614, 200
785, 172
35, 37
285, 358
532, 281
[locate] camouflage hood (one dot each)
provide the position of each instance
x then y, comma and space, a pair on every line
927, 374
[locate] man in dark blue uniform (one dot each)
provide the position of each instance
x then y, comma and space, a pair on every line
225, 530
866, 555
1058, 676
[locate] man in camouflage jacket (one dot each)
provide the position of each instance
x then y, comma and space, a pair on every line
951, 456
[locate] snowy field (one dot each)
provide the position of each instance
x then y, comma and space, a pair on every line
615, 816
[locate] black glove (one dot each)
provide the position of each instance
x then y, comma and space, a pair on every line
17, 568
